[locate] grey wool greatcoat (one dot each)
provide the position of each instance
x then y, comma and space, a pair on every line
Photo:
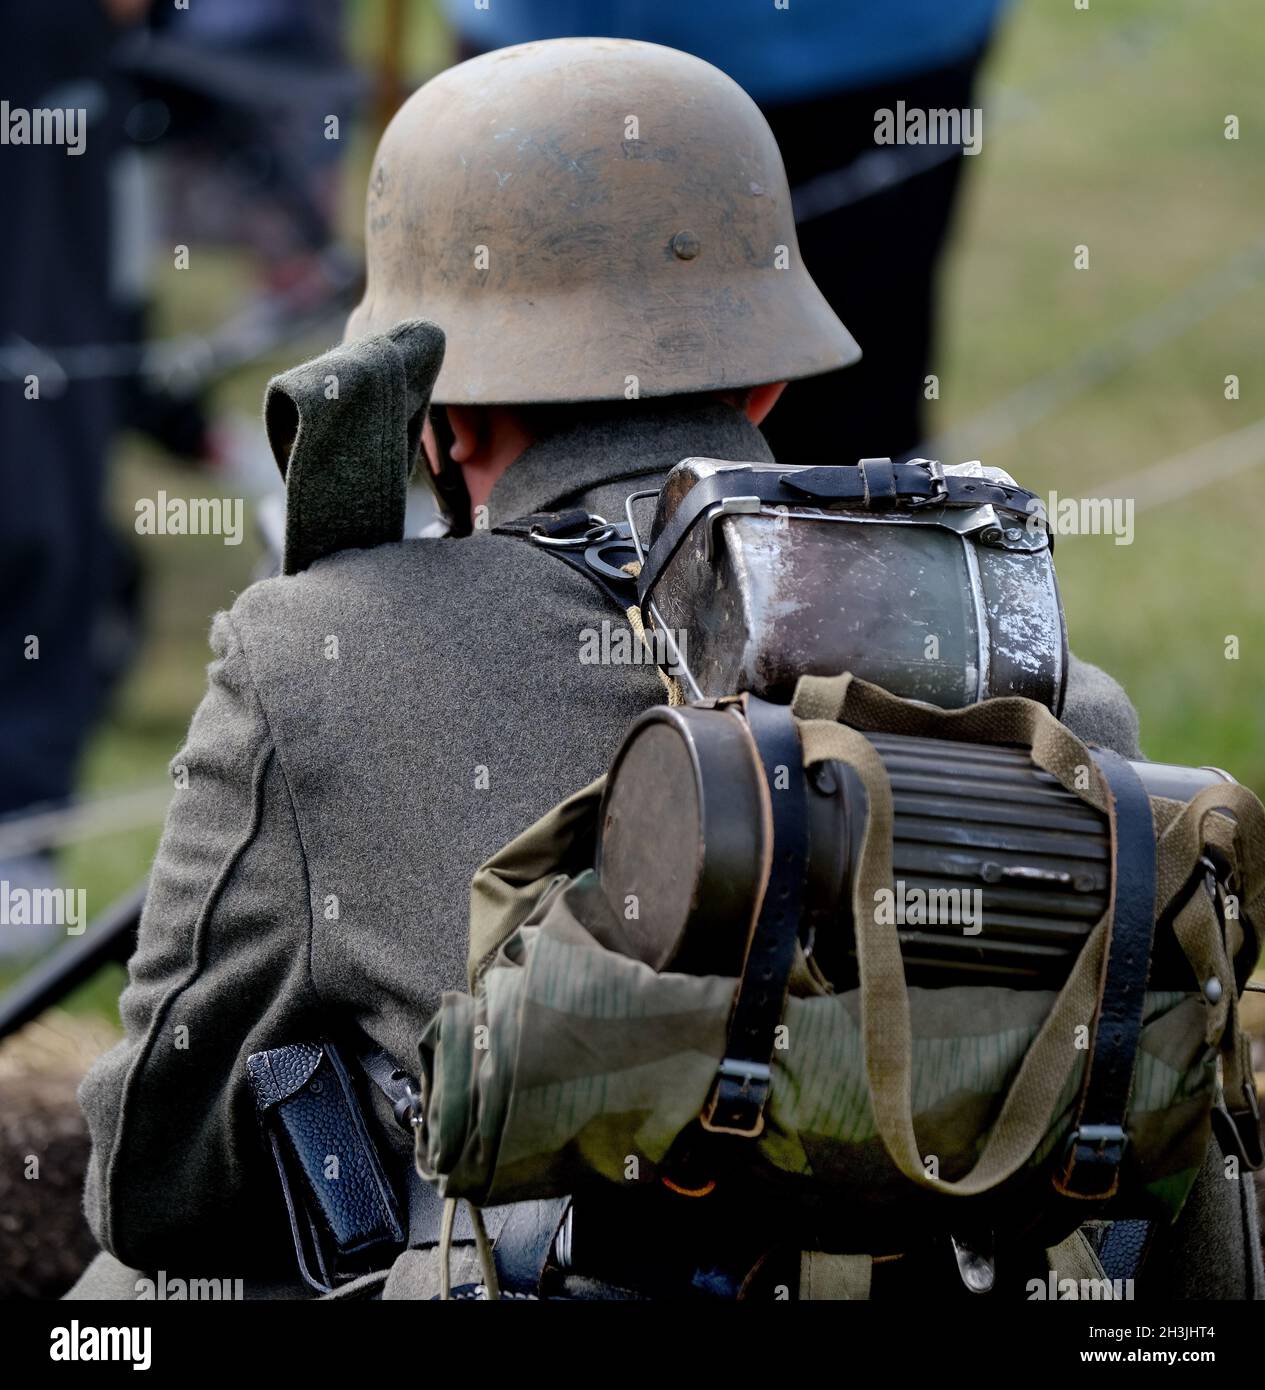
314, 874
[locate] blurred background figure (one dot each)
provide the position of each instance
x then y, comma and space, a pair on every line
217, 128
66, 586
216, 124
239, 106
872, 219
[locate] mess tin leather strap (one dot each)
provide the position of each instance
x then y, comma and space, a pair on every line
741, 1089
1096, 1146
874, 484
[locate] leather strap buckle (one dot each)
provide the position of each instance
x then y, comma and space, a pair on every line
937, 484
1093, 1157
1098, 1144
743, 1081
739, 1095
1095, 1149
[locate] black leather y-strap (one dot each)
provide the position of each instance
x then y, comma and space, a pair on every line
1096, 1147
552, 525
563, 534
736, 1104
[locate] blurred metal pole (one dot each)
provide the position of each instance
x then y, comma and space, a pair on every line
111, 938
50, 826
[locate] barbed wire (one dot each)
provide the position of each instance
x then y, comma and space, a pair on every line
188, 361
1154, 327
1180, 475
53, 827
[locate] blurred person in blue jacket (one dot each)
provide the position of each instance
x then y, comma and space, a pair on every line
872, 217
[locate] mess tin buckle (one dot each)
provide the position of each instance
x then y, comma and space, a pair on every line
1106, 1141
739, 1095
937, 487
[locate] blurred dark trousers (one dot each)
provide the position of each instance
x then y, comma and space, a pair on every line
875, 260
54, 572
56, 555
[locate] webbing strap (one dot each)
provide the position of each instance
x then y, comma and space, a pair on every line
1097, 1142
833, 1278
1076, 1259
1030, 1105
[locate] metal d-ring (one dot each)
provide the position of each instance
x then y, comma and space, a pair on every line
599, 530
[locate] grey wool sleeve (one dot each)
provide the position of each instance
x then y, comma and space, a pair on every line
1213, 1250
1097, 710
221, 970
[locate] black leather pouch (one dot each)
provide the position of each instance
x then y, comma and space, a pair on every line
344, 1210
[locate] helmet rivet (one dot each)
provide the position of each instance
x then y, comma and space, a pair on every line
685, 246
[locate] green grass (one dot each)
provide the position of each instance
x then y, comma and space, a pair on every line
1121, 149
1131, 161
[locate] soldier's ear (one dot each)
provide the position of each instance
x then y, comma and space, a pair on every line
469, 430
762, 399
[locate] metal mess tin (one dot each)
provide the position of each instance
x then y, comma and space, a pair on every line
935, 600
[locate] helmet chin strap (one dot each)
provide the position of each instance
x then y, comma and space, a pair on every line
449, 483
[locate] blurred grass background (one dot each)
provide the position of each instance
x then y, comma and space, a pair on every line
1102, 127
1105, 128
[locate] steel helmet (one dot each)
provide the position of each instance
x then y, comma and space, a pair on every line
591, 219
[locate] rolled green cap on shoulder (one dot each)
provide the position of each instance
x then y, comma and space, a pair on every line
592, 219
